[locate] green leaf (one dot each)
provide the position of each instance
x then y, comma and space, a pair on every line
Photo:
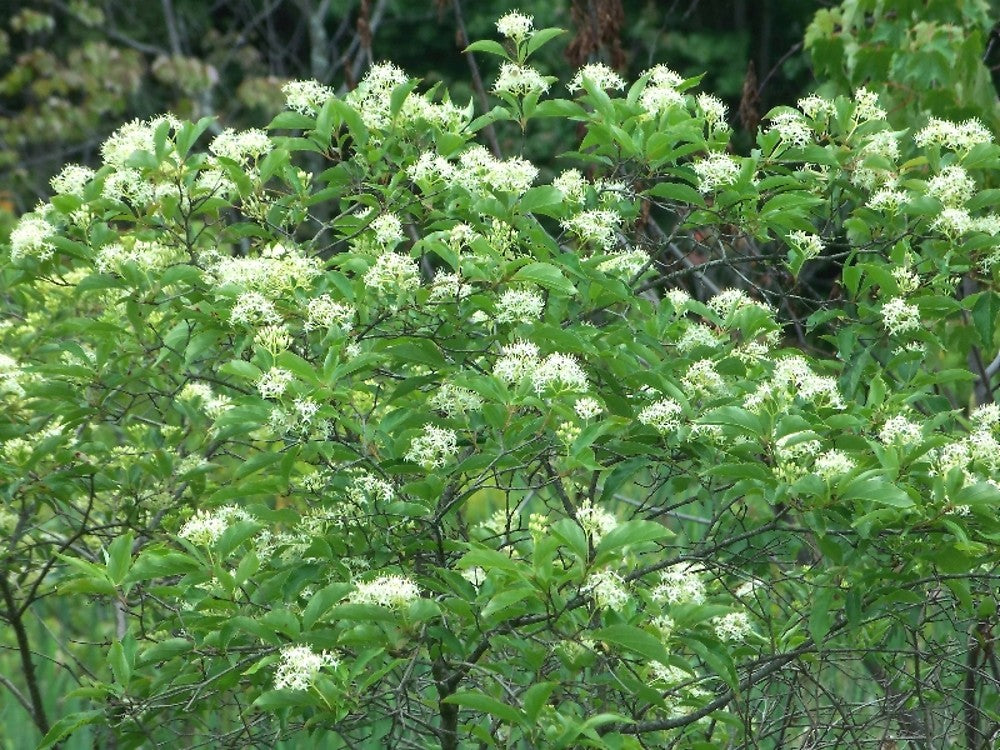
631, 532
69, 724
541, 37
535, 698
633, 639
482, 702
677, 191
984, 317
119, 557
488, 46
874, 488
546, 275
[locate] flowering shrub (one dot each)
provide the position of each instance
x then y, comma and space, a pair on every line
354, 429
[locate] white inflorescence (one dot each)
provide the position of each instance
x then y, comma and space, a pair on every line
519, 80
663, 415
572, 184
322, 312
661, 91
712, 109
517, 361
888, 200
899, 429
816, 107
866, 106
810, 245
587, 408
715, 170
392, 274
559, 371
702, 380
206, 526
253, 308
455, 400
598, 74
274, 382
241, 146
515, 25
32, 237
735, 626
833, 464
390, 591
387, 230
792, 128
595, 522
598, 226
72, 179
680, 584
898, 316
519, 306
299, 666
306, 97
608, 589
952, 186
480, 172
433, 448
956, 136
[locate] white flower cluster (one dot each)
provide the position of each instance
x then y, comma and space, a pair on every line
953, 222
521, 360
128, 185
715, 170
899, 316
137, 135
515, 25
816, 107
899, 429
572, 184
449, 287
253, 309
906, 279
323, 313
608, 590
599, 74
519, 306
701, 380
734, 627
624, 264
664, 415
278, 268
299, 666
390, 591
306, 97
680, 584
393, 274
431, 168
793, 455
433, 447
11, 376
587, 408
214, 405
372, 97
146, 255
241, 146
481, 173
595, 522
205, 527
72, 179
454, 400
597, 226
32, 237
866, 106
366, 488
660, 93
695, 335
953, 135
810, 245
730, 301
519, 80
792, 128
952, 186
273, 339
883, 143
888, 200
793, 378
833, 464
274, 382
712, 109
387, 230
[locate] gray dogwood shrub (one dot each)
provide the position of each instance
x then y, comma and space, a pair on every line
351, 429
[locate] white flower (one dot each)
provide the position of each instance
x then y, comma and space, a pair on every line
953, 222
792, 128
519, 306
253, 308
608, 589
32, 237
729, 301
595, 522
986, 417
393, 274
953, 135
128, 184
562, 371
572, 185
389, 591
322, 312
306, 97
663, 415
732, 627
866, 106
816, 107
205, 527
716, 170
72, 179
519, 80
455, 400
833, 464
430, 168
137, 135
388, 230
433, 448
598, 226
587, 408
449, 287
278, 268
701, 379
680, 584
657, 99
661, 75
481, 173
241, 146
712, 109
898, 316
899, 429
598, 74
810, 245
625, 264
274, 382
952, 186
515, 25
888, 200
299, 666
517, 362
678, 298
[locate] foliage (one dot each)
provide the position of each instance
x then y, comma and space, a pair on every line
353, 432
